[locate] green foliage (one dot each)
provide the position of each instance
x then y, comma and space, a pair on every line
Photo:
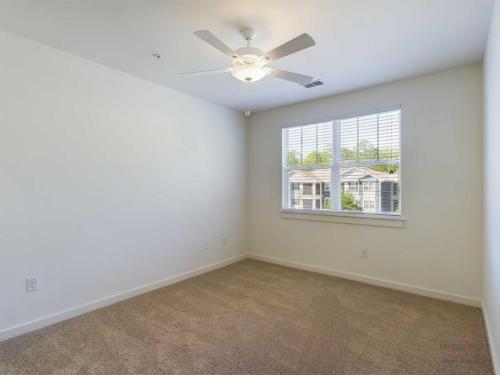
293, 159
366, 152
388, 154
327, 205
385, 168
396, 206
349, 203
320, 157
313, 158
348, 154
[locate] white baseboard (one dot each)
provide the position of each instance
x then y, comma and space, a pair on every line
109, 300
495, 362
373, 281
75, 311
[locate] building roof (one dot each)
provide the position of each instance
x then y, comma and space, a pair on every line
350, 174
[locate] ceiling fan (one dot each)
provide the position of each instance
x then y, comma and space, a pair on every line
249, 63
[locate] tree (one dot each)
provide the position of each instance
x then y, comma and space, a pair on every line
348, 154
391, 169
320, 157
349, 203
367, 151
293, 159
388, 153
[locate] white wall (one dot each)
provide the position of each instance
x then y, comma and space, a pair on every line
107, 182
491, 296
440, 247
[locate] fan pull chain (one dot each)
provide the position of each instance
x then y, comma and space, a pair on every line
246, 97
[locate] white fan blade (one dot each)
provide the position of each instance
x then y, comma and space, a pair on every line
301, 79
209, 71
215, 42
297, 44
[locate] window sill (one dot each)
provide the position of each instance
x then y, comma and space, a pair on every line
392, 221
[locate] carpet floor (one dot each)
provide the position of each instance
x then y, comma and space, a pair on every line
257, 318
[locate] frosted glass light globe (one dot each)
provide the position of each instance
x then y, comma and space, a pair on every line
248, 72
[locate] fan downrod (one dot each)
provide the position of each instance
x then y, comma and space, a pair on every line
248, 33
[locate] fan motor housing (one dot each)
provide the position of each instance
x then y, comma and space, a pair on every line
249, 53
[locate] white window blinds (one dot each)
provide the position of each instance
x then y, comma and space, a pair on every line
345, 165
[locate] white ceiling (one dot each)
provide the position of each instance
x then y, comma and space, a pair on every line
359, 43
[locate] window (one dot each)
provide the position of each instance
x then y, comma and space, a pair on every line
346, 165
318, 189
307, 189
368, 204
368, 186
307, 203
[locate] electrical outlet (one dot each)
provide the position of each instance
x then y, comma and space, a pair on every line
31, 284
223, 241
205, 245
364, 253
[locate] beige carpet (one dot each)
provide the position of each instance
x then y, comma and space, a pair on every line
258, 318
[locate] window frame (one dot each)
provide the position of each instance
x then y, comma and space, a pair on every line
370, 217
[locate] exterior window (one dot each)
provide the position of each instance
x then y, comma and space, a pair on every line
368, 204
307, 189
368, 186
318, 189
308, 204
348, 164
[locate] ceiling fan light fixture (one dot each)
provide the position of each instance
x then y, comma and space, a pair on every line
249, 72
249, 63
